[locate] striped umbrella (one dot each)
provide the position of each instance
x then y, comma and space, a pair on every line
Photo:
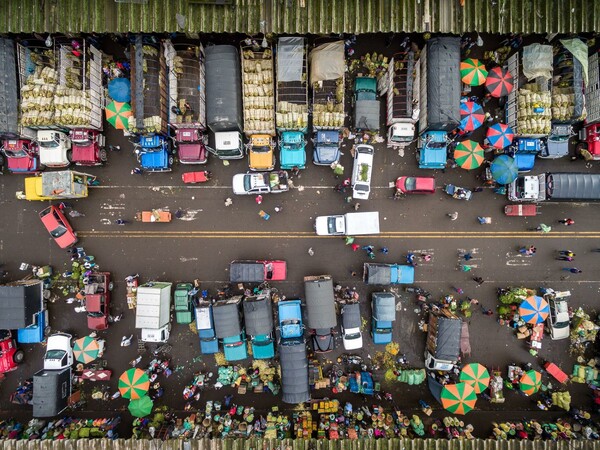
504, 169
458, 398
530, 382
472, 72
86, 349
472, 116
468, 155
117, 114
476, 375
534, 310
133, 384
500, 135
499, 82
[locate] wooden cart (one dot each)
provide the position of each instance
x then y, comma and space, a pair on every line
156, 215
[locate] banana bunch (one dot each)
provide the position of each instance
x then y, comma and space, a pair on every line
72, 117
37, 118
149, 50
178, 66
328, 119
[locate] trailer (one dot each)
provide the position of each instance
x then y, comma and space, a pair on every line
292, 101
153, 311
258, 98
327, 79
148, 120
187, 100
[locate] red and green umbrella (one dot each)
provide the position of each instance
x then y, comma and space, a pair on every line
117, 114
472, 116
134, 383
534, 310
530, 382
468, 155
86, 349
472, 72
476, 375
141, 407
499, 82
458, 398
500, 135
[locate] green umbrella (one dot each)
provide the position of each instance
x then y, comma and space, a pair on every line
133, 383
468, 155
458, 398
117, 114
530, 382
141, 407
476, 375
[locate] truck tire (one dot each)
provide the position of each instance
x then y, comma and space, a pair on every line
18, 357
171, 160
111, 286
103, 155
70, 156
47, 330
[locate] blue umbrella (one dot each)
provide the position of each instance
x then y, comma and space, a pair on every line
534, 310
504, 169
119, 89
500, 135
472, 116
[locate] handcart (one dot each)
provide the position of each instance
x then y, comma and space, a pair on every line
457, 192
556, 372
196, 177
521, 210
156, 215
496, 387
132, 293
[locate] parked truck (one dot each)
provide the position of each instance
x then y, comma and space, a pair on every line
229, 328
258, 87
349, 224
149, 102
366, 104
386, 274
56, 185
558, 186
401, 87
320, 311
383, 315
439, 100
153, 313
224, 101
23, 308
442, 349
258, 319
326, 150
257, 271
290, 319
18, 143
294, 371
206, 327
590, 134
187, 100
183, 303
51, 392
291, 115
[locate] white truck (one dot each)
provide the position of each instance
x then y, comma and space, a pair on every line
153, 311
349, 224
59, 354
402, 99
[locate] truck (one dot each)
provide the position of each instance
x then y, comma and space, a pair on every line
295, 386
152, 315
320, 311
228, 328
258, 321
401, 87
528, 106
361, 171
260, 183
23, 308
326, 150
366, 104
51, 392
187, 100
291, 114
98, 293
386, 274
349, 224
442, 349
589, 135
10, 355
18, 143
206, 327
59, 185
249, 271
290, 319
183, 303
557, 186
439, 100
224, 102
383, 315
59, 353
258, 87
149, 101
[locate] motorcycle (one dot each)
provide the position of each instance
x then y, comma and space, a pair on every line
419, 291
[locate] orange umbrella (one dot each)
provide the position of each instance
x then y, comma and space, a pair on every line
117, 114
134, 383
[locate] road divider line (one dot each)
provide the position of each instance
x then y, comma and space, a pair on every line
146, 235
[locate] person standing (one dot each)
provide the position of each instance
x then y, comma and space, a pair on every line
567, 222
572, 269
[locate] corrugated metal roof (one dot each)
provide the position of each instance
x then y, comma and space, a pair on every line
302, 16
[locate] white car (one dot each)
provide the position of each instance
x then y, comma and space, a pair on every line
361, 173
558, 319
351, 322
59, 353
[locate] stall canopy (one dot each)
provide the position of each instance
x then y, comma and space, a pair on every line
320, 304
327, 62
290, 59
227, 318
246, 272
294, 372
384, 306
19, 302
258, 314
351, 316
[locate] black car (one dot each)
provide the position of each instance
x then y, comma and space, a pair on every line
323, 340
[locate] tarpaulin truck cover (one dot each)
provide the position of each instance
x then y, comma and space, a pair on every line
294, 372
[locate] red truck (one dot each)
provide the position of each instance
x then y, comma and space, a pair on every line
10, 356
22, 156
97, 300
257, 271
88, 147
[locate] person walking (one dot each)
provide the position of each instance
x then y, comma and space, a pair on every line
567, 222
137, 171
565, 258
355, 247
384, 250
572, 269
121, 222
567, 253
453, 215
478, 280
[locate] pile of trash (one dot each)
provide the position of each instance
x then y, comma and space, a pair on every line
583, 331
257, 377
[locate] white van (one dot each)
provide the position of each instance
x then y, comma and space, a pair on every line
361, 173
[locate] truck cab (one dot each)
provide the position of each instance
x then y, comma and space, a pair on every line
10, 356
191, 147
22, 155
36, 332
383, 315
55, 148
154, 154
158, 335
290, 319
261, 153
432, 151
292, 146
97, 300
206, 328
88, 147
361, 172
59, 353
400, 134
228, 145
326, 148
557, 144
234, 347
590, 139
527, 188
525, 150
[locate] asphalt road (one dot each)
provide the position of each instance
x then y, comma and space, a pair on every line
201, 244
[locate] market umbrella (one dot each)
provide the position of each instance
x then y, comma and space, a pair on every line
133, 383
86, 349
530, 382
476, 375
499, 82
119, 89
534, 310
117, 114
472, 72
141, 407
504, 169
468, 155
458, 398
500, 135
472, 116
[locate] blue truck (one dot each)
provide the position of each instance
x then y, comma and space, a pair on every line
258, 320
22, 308
383, 309
228, 328
386, 274
326, 149
524, 150
205, 325
290, 319
154, 153
292, 146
